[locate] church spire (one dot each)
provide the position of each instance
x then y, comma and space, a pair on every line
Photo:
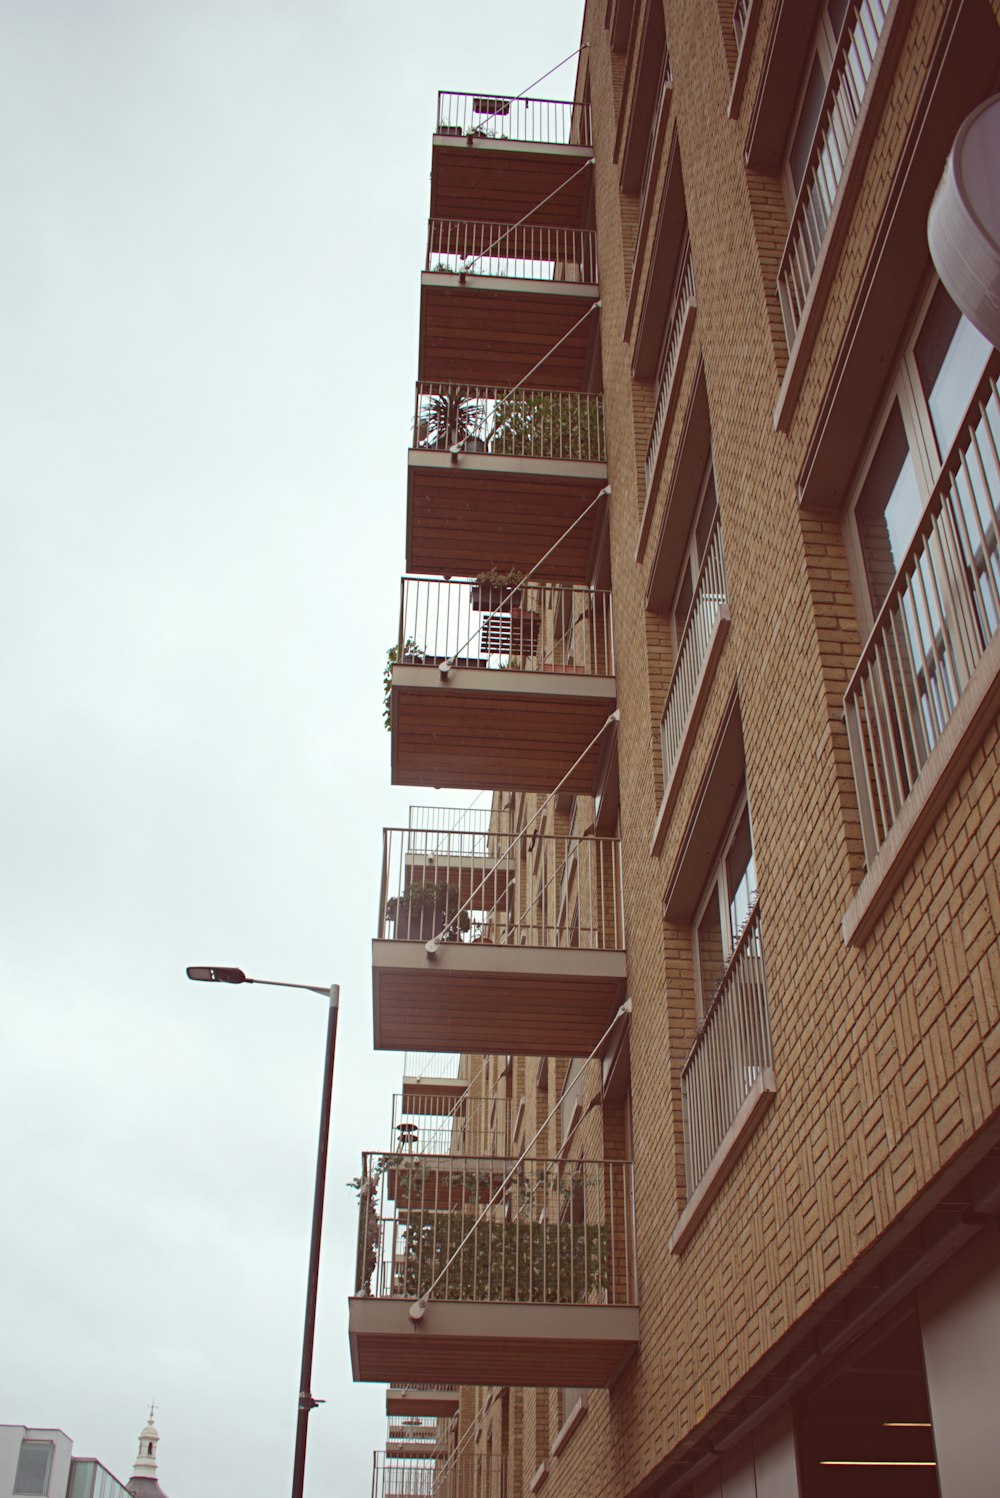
145, 1462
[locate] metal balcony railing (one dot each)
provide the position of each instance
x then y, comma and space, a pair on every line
418, 1064
465, 1474
482, 1229
709, 598
845, 93
423, 1428
540, 891
731, 1049
741, 14
448, 1126
551, 122
458, 829
941, 613
525, 252
558, 628
555, 424
684, 296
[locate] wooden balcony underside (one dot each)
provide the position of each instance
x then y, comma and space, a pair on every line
438, 1402
479, 511
495, 333
497, 730
505, 181
533, 1346
494, 1000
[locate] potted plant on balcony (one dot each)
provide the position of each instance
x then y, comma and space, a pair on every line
489, 590
411, 655
547, 424
426, 910
452, 418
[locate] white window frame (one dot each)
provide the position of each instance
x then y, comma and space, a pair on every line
717, 890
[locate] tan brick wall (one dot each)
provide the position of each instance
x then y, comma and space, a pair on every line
887, 1057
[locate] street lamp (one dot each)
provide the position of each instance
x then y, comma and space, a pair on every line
306, 1400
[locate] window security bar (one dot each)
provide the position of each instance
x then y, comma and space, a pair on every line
556, 122
941, 614
731, 1049
845, 94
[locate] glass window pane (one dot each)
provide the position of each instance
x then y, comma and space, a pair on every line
741, 877
951, 355
805, 129
837, 12
706, 517
889, 509
711, 956
33, 1467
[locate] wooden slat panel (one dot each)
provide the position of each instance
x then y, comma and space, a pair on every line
497, 338
461, 522
505, 184
479, 741
491, 1014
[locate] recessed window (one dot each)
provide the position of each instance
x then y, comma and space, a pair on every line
34, 1463
924, 542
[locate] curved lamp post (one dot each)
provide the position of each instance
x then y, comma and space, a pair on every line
306, 1401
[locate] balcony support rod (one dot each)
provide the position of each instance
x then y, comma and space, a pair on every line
509, 228
416, 1311
432, 946
496, 613
516, 98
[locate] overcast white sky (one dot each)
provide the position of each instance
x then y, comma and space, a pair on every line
214, 215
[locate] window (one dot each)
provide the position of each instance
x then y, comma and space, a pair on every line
33, 1465
803, 132
725, 907
937, 378
692, 557
838, 70
699, 598
924, 542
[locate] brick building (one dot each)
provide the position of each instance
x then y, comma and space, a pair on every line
695, 1188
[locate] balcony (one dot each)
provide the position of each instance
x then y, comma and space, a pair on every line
828, 160
680, 324
464, 1474
501, 696
419, 1436
510, 159
529, 954
695, 664
497, 299
496, 473
441, 1123
727, 1080
525, 1270
929, 668
421, 1399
